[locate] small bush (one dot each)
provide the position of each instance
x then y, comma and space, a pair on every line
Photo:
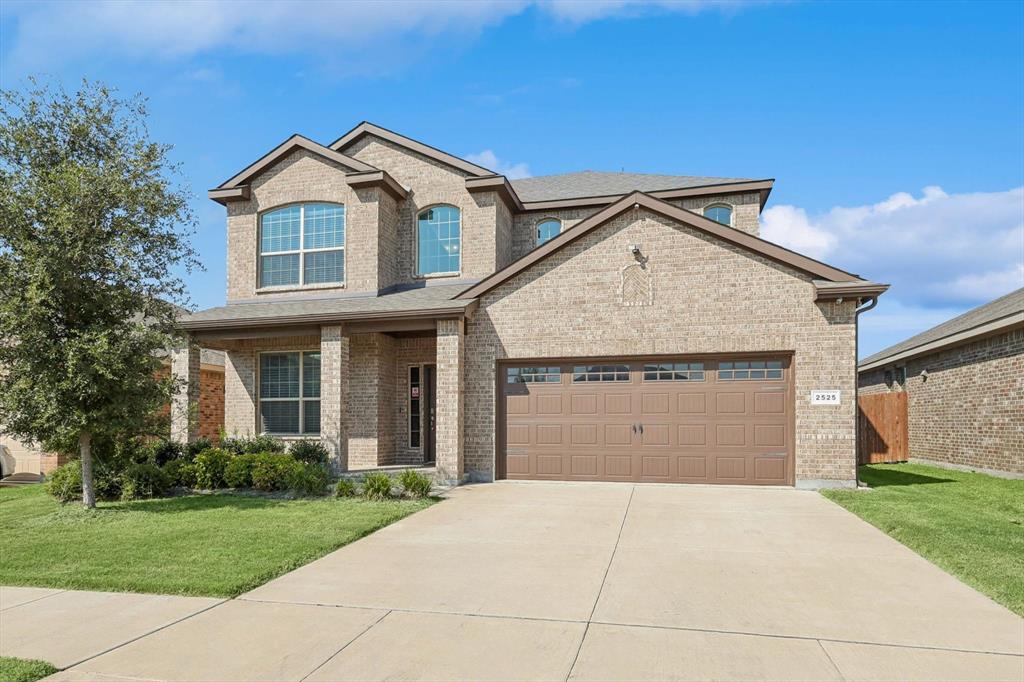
210, 467
106, 478
197, 446
242, 445
65, 482
142, 481
238, 473
181, 473
273, 471
165, 451
309, 451
344, 488
308, 479
377, 486
414, 484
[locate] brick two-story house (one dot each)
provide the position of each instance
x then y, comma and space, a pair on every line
409, 307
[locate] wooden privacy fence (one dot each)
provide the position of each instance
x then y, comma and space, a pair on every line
882, 428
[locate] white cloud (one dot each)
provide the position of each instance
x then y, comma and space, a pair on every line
348, 37
942, 253
488, 159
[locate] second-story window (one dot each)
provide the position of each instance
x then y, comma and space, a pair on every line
548, 229
720, 213
302, 244
439, 241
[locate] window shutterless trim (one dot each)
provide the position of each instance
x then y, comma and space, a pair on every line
301, 399
416, 244
302, 250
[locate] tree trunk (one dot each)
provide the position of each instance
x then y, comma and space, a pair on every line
85, 452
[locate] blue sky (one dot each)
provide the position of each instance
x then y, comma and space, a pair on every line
895, 131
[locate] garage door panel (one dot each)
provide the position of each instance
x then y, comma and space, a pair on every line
674, 425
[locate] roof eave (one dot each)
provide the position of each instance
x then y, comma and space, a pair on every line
379, 179
226, 195
831, 291
499, 184
464, 309
762, 187
981, 331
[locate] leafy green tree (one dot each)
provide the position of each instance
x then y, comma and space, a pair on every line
93, 228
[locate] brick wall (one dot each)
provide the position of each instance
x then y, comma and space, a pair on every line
409, 352
211, 403
709, 297
969, 411
746, 210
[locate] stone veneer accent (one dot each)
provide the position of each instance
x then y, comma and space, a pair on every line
970, 409
709, 297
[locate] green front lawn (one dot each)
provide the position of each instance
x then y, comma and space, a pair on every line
23, 670
211, 545
971, 525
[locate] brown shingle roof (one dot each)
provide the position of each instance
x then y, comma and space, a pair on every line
1004, 308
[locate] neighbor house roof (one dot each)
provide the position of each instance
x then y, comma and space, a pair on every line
425, 301
995, 317
821, 271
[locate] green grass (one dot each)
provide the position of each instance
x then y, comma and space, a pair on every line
23, 670
971, 525
210, 545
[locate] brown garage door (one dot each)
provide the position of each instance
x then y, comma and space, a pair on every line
681, 420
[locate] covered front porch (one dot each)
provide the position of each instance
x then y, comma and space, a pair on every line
379, 388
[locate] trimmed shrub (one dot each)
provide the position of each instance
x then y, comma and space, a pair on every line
308, 479
165, 451
181, 473
242, 445
309, 451
414, 484
106, 478
238, 473
65, 482
210, 467
377, 486
142, 481
272, 471
197, 446
344, 488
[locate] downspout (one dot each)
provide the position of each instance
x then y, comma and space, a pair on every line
872, 302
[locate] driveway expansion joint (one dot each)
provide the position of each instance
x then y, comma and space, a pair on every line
32, 601
345, 646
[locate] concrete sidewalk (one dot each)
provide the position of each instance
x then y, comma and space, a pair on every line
586, 581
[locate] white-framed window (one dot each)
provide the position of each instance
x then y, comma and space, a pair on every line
302, 245
720, 213
439, 241
548, 229
290, 392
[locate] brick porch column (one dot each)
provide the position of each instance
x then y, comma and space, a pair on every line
334, 380
185, 368
451, 350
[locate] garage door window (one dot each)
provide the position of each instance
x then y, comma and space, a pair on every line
533, 375
582, 373
674, 371
750, 370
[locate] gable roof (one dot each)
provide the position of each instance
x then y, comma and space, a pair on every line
237, 186
993, 317
599, 183
367, 128
639, 199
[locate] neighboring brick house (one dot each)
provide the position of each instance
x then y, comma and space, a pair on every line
26, 458
964, 381
407, 306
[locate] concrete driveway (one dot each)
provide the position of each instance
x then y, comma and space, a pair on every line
598, 582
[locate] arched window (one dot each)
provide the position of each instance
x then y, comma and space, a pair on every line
720, 213
303, 243
548, 229
439, 241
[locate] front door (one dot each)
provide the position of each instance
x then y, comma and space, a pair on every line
430, 372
